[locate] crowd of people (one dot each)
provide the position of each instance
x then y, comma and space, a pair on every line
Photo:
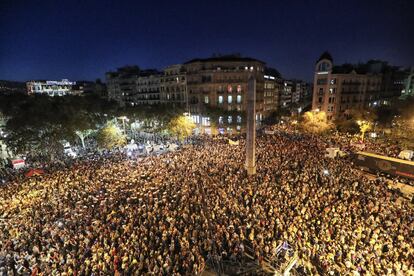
170, 214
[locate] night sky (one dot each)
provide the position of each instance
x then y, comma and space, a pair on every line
81, 40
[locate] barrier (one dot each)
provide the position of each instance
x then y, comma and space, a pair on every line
379, 163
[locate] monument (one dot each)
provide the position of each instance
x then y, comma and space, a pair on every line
251, 127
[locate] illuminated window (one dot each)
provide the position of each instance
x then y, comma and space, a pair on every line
205, 121
206, 99
230, 99
221, 120
239, 119
220, 99
229, 88
239, 88
239, 98
230, 119
333, 81
238, 127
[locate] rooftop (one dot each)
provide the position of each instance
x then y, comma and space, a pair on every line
225, 58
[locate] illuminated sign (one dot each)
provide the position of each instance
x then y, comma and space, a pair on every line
62, 82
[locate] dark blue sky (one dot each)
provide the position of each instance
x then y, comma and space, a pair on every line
84, 39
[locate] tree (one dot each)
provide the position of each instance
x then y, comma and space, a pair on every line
83, 134
316, 122
181, 127
364, 126
110, 137
349, 121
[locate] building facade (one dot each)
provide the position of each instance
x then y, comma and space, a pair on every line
286, 94
50, 88
173, 88
220, 83
338, 90
273, 86
131, 86
408, 88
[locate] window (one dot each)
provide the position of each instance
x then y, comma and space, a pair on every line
230, 99
206, 99
239, 88
239, 99
220, 99
320, 91
229, 88
205, 121
220, 120
324, 66
333, 81
239, 119
230, 119
320, 100
322, 81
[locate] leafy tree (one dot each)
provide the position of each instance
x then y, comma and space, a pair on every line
316, 122
110, 137
385, 115
349, 122
364, 126
83, 134
181, 127
276, 115
39, 124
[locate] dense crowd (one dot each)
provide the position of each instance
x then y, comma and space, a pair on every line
168, 214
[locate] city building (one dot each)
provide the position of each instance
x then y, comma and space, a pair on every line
273, 86
220, 84
50, 88
301, 91
147, 90
286, 94
96, 88
173, 88
338, 89
121, 83
131, 86
408, 90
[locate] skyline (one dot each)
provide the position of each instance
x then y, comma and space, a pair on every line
82, 41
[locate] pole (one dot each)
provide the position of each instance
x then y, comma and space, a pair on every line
251, 127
